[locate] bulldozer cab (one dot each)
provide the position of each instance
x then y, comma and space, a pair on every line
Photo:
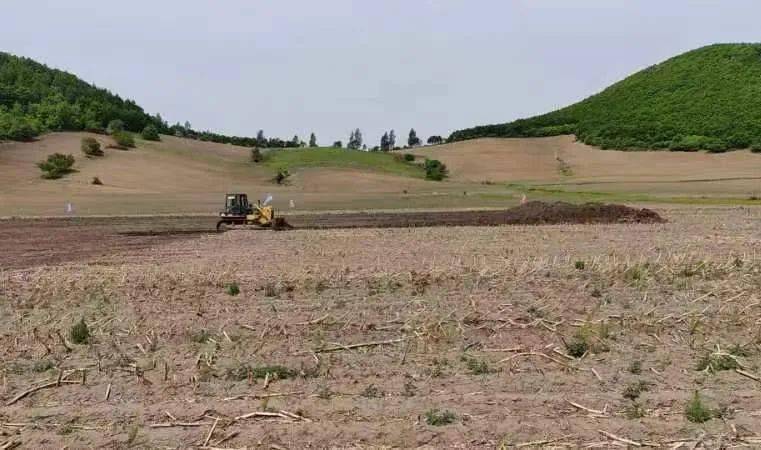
237, 204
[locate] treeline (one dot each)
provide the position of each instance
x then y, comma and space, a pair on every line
706, 99
35, 99
260, 141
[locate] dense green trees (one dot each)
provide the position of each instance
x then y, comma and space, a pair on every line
35, 98
709, 98
312, 140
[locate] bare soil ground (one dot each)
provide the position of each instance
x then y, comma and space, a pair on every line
457, 337
30, 242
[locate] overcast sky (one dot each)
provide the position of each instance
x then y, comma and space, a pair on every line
296, 66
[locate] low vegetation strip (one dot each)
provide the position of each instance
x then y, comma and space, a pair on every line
342, 158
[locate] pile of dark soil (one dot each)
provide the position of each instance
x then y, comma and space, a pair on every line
537, 212
531, 213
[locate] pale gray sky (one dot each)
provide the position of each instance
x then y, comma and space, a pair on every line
296, 66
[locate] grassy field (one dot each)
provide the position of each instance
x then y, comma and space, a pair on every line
341, 158
181, 176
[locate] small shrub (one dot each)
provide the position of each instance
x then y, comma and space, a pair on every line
43, 365
477, 366
579, 265
371, 391
56, 166
150, 133
633, 390
438, 418
123, 139
635, 411
282, 176
281, 372
696, 411
80, 333
232, 289
409, 157
91, 147
435, 170
717, 362
577, 347
115, 126
200, 336
96, 181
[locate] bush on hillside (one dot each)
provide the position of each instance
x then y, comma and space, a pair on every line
409, 157
150, 133
694, 143
756, 147
435, 170
91, 147
94, 126
56, 166
124, 140
115, 126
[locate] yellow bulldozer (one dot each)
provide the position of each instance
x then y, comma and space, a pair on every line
239, 212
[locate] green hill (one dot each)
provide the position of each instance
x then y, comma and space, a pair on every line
709, 98
35, 98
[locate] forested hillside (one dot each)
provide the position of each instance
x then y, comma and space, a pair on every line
709, 98
35, 98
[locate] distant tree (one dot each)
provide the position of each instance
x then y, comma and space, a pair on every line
312, 140
115, 126
384, 145
296, 142
187, 126
364, 147
355, 140
261, 141
150, 133
338, 144
433, 140
391, 139
413, 140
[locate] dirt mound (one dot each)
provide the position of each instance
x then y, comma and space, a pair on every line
537, 212
532, 213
